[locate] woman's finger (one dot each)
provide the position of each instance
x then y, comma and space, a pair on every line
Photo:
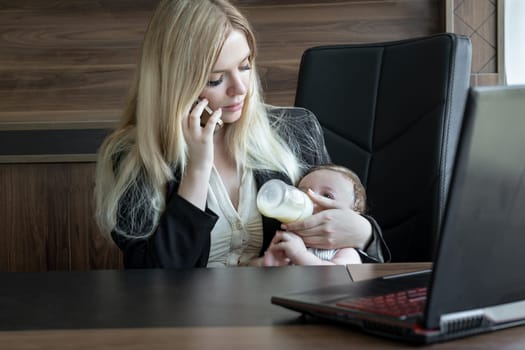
302, 227
215, 122
196, 113
322, 201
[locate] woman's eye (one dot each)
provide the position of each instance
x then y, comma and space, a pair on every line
213, 83
245, 67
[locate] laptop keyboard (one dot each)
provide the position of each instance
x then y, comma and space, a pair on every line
406, 303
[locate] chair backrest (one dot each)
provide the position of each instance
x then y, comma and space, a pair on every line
392, 112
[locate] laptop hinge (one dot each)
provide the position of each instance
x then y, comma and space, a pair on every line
506, 312
471, 319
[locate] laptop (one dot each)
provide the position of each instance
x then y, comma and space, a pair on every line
477, 283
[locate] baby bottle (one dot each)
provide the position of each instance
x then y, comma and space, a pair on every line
283, 202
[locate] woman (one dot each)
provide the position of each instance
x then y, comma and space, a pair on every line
174, 193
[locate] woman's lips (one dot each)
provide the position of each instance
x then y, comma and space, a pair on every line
233, 108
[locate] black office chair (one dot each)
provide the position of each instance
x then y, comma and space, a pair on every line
392, 112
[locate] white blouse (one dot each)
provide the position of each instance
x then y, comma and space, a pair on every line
237, 236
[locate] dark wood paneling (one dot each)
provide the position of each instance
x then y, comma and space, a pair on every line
78, 56
47, 219
63, 89
479, 21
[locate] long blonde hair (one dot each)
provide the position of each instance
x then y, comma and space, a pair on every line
181, 44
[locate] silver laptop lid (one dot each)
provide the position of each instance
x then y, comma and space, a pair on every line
482, 246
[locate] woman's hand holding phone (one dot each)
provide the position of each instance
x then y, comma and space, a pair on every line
205, 116
200, 138
198, 134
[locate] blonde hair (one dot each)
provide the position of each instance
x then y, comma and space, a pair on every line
181, 44
359, 204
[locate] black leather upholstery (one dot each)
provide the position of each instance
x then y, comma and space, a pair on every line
392, 112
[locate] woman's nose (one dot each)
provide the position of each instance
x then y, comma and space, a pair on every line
237, 87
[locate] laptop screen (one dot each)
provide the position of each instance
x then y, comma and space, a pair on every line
483, 238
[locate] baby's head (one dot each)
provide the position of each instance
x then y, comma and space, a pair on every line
336, 182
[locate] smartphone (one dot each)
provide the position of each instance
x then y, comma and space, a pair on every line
206, 114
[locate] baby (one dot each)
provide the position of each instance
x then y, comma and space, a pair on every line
344, 189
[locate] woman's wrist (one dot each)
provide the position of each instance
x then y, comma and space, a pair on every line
194, 185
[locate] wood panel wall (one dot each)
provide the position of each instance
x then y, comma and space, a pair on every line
68, 63
478, 19
72, 60
47, 219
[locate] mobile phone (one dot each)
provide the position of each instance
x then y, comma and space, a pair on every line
206, 114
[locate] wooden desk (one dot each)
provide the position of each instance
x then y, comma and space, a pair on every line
188, 309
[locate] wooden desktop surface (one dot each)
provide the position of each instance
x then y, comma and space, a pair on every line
190, 309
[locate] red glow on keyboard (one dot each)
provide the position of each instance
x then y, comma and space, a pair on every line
401, 304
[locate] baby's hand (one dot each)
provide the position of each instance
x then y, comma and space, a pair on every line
290, 244
275, 256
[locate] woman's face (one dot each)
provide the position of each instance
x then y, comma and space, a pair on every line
228, 82
330, 184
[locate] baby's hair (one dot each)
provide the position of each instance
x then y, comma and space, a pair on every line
359, 190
